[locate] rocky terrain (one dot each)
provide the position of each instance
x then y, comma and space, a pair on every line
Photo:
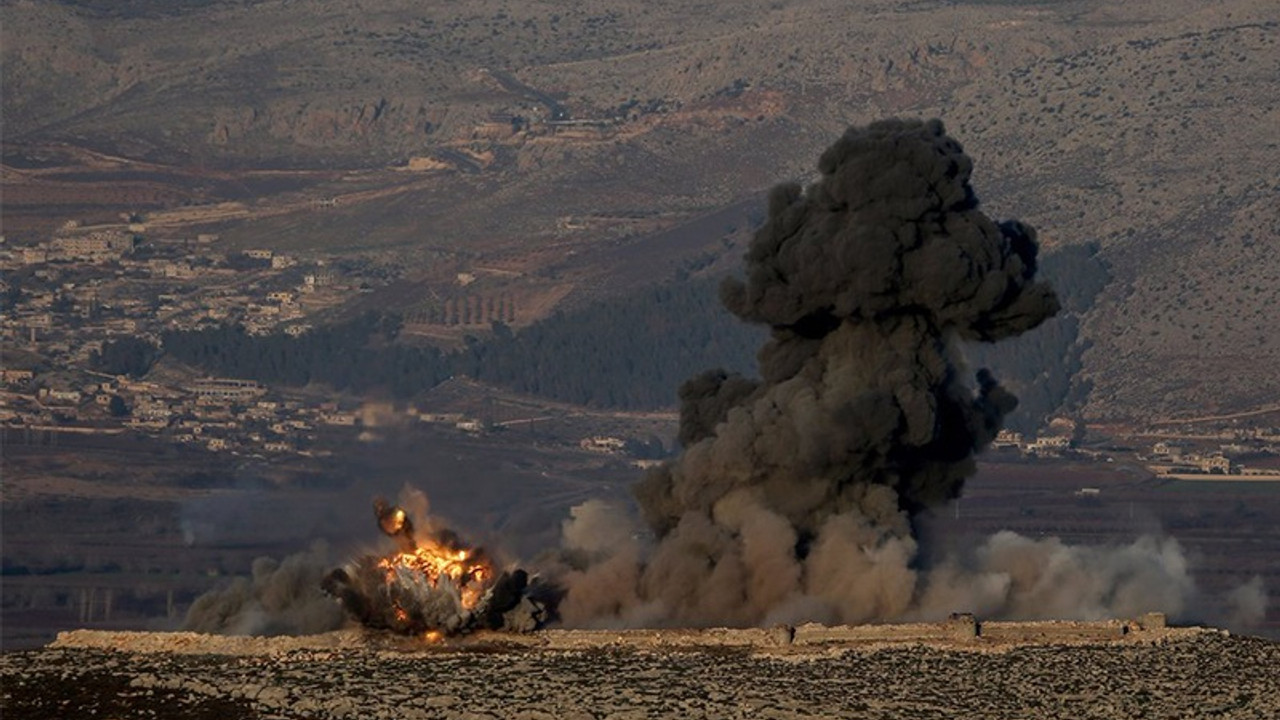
1186, 673
555, 153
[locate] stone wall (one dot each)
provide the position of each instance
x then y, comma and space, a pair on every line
959, 631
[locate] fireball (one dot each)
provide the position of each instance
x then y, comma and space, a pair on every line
429, 587
434, 579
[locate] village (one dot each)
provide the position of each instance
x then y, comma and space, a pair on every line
1225, 453
67, 298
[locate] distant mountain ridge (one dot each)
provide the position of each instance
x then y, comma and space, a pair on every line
1146, 127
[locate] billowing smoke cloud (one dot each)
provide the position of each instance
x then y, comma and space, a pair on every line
279, 598
866, 279
1019, 578
796, 494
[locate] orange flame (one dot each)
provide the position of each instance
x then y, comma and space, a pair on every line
468, 570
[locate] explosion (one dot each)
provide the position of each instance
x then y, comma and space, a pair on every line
798, 494
432, 562
431, 586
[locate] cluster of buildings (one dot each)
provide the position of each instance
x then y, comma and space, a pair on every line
1244, 453
220, 414
65, 297
1056, 440
1173, 460
85, 285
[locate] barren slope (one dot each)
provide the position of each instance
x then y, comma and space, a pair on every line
1148, 126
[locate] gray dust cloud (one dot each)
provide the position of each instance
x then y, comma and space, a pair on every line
279, 598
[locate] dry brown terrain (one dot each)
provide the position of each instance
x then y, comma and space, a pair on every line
1175, 673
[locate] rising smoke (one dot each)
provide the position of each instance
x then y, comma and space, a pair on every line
279, 598
797, 494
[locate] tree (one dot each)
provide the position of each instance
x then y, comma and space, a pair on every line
117, 406
125, 356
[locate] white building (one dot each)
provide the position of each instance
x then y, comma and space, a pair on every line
226, 388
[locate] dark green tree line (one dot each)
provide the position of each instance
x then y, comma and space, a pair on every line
630, 352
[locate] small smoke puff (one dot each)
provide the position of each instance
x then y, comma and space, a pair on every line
603, 561
1247, 604
418, 507
604, 593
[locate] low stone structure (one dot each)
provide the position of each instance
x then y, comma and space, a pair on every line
961, 631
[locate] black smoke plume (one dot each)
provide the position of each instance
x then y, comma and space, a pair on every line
866, 279
795, 493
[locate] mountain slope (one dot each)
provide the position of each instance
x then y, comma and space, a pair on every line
567, 145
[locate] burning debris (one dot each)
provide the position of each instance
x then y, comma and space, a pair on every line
433, 584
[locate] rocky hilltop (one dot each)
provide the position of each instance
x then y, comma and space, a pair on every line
1043, 670
567, 146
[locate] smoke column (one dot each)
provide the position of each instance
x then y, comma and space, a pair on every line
866, 279
795, 496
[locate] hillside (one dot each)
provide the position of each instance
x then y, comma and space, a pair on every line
563, 153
